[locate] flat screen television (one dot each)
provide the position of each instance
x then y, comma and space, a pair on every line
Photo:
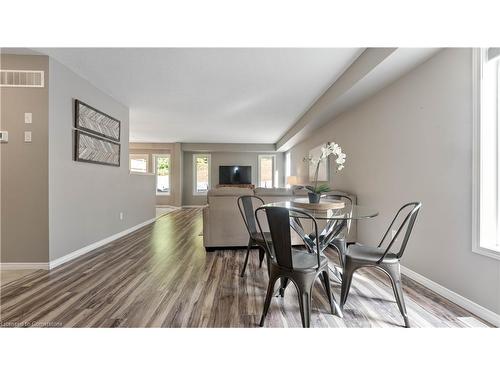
235, 174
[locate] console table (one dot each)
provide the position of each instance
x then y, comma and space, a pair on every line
248, 186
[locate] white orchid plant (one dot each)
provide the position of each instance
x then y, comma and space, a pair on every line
328, 150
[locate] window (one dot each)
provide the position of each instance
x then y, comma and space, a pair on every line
486, 153
138, 163
162, 172
288, 168
267, 171
201, 171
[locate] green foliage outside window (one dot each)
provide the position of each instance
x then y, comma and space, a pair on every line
162, 167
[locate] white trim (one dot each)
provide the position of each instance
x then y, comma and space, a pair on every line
476, 121
84, 250
456, 298
140, 174
477, 74
23, 266
261, 156
209, 158
194, 205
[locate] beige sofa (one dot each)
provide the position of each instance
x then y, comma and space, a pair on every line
223, 225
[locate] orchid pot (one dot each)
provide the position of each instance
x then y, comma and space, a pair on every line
313, 197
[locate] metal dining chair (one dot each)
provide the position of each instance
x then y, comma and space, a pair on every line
247, 210
299, 266
358, 256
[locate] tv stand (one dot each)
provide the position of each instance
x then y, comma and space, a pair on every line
248, 186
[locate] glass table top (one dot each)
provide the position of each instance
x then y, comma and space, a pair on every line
348, 212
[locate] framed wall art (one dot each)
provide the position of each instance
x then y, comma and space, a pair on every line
93, 121
92, 149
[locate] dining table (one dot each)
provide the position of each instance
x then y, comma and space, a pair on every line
333, 225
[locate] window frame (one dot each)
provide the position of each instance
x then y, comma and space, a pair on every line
155, 156
478, 57
138, 156
195, 182
274, 177
288, 168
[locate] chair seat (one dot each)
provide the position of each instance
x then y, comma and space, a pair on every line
257, 237
369, 254
305, 261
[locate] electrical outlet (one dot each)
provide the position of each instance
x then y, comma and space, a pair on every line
4, 136
27, 137
28, 118
121, 215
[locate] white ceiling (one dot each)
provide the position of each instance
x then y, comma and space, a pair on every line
217, 95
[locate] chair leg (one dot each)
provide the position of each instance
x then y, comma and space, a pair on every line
262, 252
347, 274
269, 295
340, 246
394, 272
284, 284
325, 278
305, 308
246, 258
304, 285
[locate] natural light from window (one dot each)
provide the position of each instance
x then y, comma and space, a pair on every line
138, 163
267, 165
201, 167
162, 171
288, 167
487, 181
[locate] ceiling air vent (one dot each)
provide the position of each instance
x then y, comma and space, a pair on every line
21, 78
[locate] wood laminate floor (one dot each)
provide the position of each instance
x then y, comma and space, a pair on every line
161, 276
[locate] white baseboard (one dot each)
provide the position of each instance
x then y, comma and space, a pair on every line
194, 205
84, 250
461, 301
24, 266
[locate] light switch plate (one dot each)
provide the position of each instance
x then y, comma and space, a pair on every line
27, 136
28, 118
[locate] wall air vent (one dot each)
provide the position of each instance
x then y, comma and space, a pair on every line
21, 78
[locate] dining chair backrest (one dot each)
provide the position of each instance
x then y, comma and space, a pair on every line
278, 219
411, 209
247, 210
348, 201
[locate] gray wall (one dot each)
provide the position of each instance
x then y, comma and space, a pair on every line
224, 158
85, 200
174, 150
24, 167
412, 141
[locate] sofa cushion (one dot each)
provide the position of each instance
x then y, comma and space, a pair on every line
229, 191
273, 192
